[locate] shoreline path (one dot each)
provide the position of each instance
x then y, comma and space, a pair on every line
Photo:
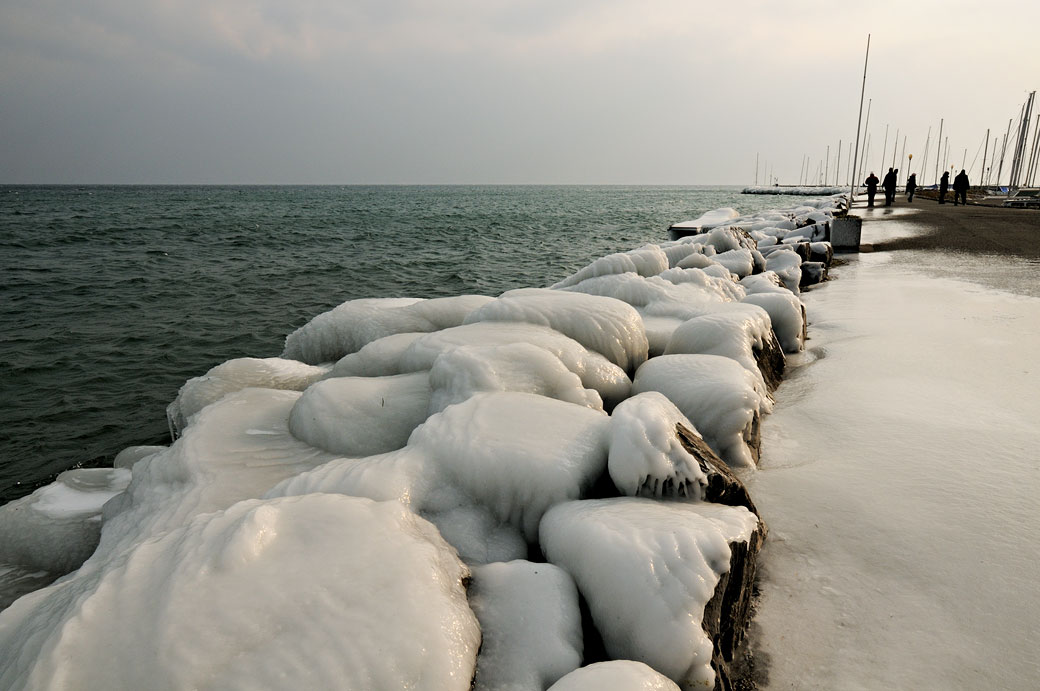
901, 466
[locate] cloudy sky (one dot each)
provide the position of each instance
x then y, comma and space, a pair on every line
496, 91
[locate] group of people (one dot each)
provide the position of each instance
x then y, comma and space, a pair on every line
960, 187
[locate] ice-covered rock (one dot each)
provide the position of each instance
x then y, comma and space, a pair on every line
484, 470
531, 625
235, 375
646, 457
787, 316
648, 569
648, 260
721, 398
316, 592
57, 527
461, 372
615, 675
361, 416
346, 328
380, 357
604, 325
132, 454
745, 335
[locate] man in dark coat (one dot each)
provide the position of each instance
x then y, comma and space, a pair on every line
911, 187
889, 184
944, 185
871, 184
960, 188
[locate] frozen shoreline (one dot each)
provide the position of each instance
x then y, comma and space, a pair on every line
440, 440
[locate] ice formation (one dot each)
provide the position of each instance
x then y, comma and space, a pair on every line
345, 329
235, 375
722, 398
615, 675
311, 525
531, 625
314, 592
609, 327
647, 569
646, 457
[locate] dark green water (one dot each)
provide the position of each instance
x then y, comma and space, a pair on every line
111, 297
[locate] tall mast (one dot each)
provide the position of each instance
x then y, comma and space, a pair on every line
884, 149
1003, 150
895, 145
859, 117
938, 157
982, 173
837, 168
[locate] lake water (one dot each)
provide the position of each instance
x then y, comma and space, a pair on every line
111, 297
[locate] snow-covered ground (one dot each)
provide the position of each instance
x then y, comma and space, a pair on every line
899, 479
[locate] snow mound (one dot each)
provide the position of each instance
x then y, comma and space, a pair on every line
615, 675
607, 326
530, 622
716, 393
646, 457
310, 592
345, 329
647, 569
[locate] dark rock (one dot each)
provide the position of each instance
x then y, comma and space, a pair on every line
812, 273
822, 252
728, 613
771, 361
724, 487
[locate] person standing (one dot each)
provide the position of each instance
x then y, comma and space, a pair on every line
960, 188
944, 185
871, 184
911, 187
889, 185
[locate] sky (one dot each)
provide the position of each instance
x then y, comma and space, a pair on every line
499, 91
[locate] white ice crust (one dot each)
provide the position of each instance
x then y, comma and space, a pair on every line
647, 569
312, 592
646, 457
716, 393
345, 329
615, 675
531, 625
309, 526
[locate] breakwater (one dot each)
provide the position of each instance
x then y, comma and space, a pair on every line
410, 467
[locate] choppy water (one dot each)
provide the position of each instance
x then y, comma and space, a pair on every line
111, 297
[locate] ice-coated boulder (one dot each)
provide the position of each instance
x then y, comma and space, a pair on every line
648, 569
646, 457
361, 416
531, 625
346, 328
594, 370
57, 527
615, 675
648, 260
315, 592
720, 397
380, 357
235, 375
484, 470
743, 332
787, 316
461, 372
604, 325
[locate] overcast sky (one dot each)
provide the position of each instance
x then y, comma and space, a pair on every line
496, 91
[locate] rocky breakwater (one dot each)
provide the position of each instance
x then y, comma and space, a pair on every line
536, 490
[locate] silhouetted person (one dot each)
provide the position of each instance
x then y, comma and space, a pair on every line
911, 187
944, 185
960, 188
889, 185
871, 184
